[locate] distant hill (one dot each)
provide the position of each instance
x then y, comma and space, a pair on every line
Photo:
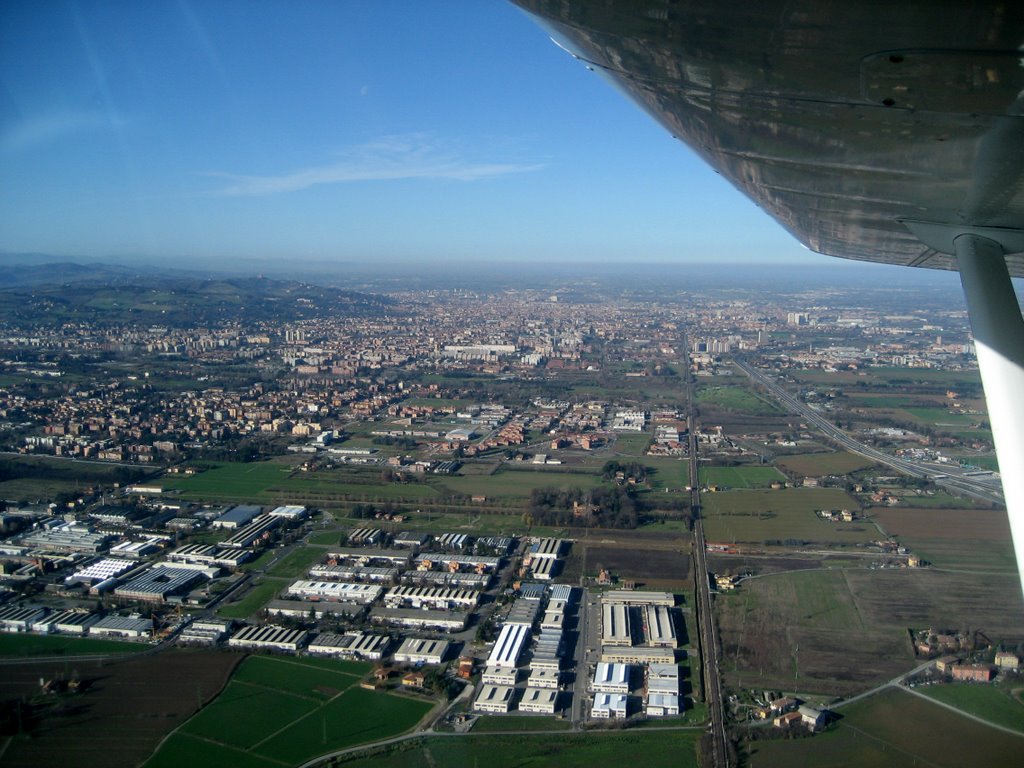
66, 291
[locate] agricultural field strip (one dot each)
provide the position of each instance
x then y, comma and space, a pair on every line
971, 715
297, 720
178, 733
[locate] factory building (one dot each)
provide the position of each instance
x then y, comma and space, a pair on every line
396, 557
268, 638
638, 597
523, 612
544, 678
607, 705
442, 598
637, 655
129, 627
540, 700
210, 555
159, 584
18, 618
509, 646
290, 512
479, 581
205, 632
335, 591
494, 698
547, 549
615, 625
253, 535
659, 629
662, 705
500, 676
479, 563
417, 651
356, 572
237, 517
101, 570
447, 621
611, 678
355, 645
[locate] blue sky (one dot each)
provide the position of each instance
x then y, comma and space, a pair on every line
342, 131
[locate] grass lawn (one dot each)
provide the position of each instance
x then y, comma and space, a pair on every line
285, 711
818, 464
230, 481
59, 645
989, 702
664, 749
786, 514
892, 730
297, 563
253, 600
740, 477
735, 398
500, 723
519, 482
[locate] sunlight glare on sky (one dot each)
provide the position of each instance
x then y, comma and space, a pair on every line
339, 130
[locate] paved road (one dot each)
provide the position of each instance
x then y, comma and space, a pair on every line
985, 489
710, 650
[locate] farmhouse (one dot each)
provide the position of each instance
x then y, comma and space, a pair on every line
976, 673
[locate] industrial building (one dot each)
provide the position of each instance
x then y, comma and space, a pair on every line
494, 698
659, 629
365, 537
237, 517
480, 581
210, 555
637, 655
396, 557
545, 569
290, 512
335, 591
547, 549
356, 645
159, 584
544, 678
418, 651
205, 632
611, 678
67, 538
269, 637
638, 597
509, 646
500, 676
615, 625
662, 705
70, 622
130, 627
253, 535
540, 700
442, 598
108, 568
607, 705
523, 612
480, 563
19, 618
447, 621
357, 572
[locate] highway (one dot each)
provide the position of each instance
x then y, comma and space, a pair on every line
709, 649
985, 489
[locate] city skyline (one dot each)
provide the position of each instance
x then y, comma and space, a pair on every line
341, 133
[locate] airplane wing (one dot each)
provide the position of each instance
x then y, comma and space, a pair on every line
842, 120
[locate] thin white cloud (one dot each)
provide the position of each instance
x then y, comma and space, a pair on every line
389, 159
46, 129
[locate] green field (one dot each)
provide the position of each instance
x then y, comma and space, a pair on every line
285, 711
520, 482
61, 645
253, 600
989, 702
664, 749
891, 730
503, 723
781, 515
735, 398
296, 564
818, 464
740, 477
229, 481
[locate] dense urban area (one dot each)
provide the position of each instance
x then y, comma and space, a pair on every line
259, 522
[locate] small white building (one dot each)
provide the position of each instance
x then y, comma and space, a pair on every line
540, 700
418, 651
662, 705
544, 677
494, 698
500, 676
611, 678
608, 705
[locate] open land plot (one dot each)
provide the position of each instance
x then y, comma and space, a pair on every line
253, 599
805, 629
891, 730
286, 711
230, 481
355, 717
736, 398
782, 515
520, 482
61, 645
505, 723
663, 569
659, 749
887, 376
970, 539
828, 463
127, 707
926, 597
740, 477
297, 562
935, 499
994, 703
631, 445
